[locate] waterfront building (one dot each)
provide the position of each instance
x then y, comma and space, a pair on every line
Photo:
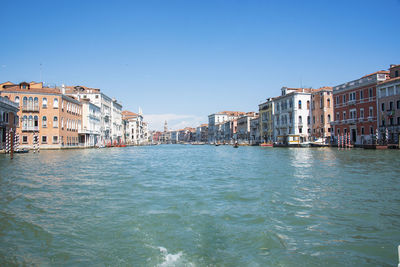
202, 133
266, 117
292, 113
214, 121
255, 130
89, 133
389, 106
99, 99
243, 127
155, 136
355, 108
321, 114
116, 122
8, 118
46, 112
174, 137
133, 128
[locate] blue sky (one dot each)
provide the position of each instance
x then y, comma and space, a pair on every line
183, 60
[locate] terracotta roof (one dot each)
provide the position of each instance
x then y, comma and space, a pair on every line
204, 124
84, 89
325, 88
232, 113
16, 88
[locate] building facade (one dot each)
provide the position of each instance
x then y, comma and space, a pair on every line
47, 113
266, 117
89, 133
8, 118
389, 107
292, 111
355, 108
322, 114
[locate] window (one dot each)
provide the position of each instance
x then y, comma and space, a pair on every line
362, 130
344, 115
313, 119
383, 107
371, 111
371, 130
321, 103
391, 105
361, 113
308, 120
337, 100
337, 116
361, 94
30, 103
322, 118
338, 131
25, 102
97, 96
24, 139
44, 139
55, 103
308, 104
396, 73
300, 129
300, 120
36, 122
398, 120
299, 104
44, 102
398, 104
370, 92
36, 103
30, 122
344, 99
55, 122
62, 123
17, 99
44, 121
55, 139
329, 117
329, 102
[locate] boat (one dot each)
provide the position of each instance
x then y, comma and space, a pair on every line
236, 145
267, 144
305, 144
24, 150
318, 144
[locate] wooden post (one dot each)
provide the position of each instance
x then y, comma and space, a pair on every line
11, 143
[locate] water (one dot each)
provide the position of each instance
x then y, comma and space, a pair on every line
182, 205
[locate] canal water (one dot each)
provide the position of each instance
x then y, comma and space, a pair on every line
186, 205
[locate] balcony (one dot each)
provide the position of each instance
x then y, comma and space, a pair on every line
30, 108
351, 121
370, 118
30, 128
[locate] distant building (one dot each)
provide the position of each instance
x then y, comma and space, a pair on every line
89, 133
133, 128
243, 127
389, 106
202, 133
266, 117
215, 120
255, 137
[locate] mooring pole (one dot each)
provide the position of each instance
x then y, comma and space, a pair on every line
11, 143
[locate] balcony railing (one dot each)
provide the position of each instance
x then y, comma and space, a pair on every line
351, 121
30, 128
30, 108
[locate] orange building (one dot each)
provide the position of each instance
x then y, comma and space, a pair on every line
322, 113
46, 112
8, 119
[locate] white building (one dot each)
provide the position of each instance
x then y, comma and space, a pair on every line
116, 121
134, 129
99, 99
292, 124
89, 132
215, 120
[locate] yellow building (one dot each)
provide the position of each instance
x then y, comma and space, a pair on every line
266, 112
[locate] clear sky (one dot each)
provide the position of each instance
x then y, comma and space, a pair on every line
183, 60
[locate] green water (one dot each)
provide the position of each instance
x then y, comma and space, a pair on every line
183, 205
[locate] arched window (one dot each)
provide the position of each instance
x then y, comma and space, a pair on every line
62, 123
329, 102
300, 120
30, 123
25, 102
308, 104
299, 104
36, 122
30, 103
17, 99
36, 103
44, 102
329, 116
55, 122
44, 121
55, 103
24, 122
